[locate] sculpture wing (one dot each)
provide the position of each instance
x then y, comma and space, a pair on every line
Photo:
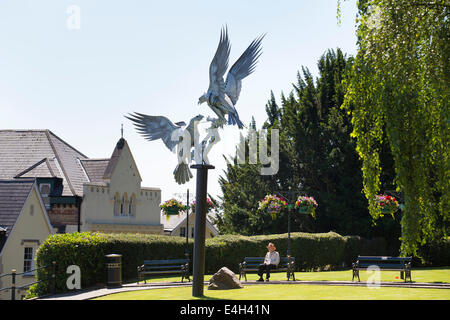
244, 66
219, 64
155, 127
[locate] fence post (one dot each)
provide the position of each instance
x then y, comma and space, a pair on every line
13, 284
54, 277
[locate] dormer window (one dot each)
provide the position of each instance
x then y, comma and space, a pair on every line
44, 189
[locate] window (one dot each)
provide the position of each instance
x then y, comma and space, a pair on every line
132, 205
116, 205
122, 203
28, 260
44, 188
182, 231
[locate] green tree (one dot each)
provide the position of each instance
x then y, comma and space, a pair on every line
317, 157
399, 94
323, 159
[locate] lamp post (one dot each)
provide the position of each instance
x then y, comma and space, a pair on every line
290, 196
186, 253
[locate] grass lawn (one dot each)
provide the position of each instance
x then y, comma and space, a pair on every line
287, 292
430, 275
307, 292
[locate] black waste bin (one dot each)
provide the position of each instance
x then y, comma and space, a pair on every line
113, 270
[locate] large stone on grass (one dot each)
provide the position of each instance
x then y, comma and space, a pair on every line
224, 279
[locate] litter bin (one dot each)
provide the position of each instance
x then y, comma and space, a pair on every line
113, 270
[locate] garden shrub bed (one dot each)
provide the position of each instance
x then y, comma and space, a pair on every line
87, 250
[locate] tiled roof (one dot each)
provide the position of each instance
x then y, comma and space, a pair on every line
13, 194
95, 168
40, 153
40, 169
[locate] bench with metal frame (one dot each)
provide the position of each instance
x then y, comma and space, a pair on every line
169, 266
402, 264
251, 264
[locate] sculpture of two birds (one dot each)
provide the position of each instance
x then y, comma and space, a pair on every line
221, 97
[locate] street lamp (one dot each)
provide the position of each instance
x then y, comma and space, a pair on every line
291, 196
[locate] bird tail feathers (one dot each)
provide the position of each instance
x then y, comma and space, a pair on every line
182, 173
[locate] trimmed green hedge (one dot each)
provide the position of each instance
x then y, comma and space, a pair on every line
87, 250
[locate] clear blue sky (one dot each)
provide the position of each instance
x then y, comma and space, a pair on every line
151, 57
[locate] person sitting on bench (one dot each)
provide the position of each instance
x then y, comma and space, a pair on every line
271, 260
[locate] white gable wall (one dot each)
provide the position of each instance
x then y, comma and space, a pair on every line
31, 229
98, 201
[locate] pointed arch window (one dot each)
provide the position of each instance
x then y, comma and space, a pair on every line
122, 206
116, 204
132, 205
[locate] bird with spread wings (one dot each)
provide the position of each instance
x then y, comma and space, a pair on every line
175, 137
222, 96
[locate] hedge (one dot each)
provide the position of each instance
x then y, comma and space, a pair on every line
88, 250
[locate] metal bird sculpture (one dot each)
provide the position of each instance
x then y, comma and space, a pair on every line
222, 96
173, 135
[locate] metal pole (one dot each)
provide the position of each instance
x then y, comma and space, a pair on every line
289, 233
200, 226
13, 284
187, 227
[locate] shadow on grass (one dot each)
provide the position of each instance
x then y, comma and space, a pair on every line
208, 298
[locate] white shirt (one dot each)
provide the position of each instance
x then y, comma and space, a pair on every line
272, 258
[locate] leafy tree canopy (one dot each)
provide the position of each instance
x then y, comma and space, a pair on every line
399, 93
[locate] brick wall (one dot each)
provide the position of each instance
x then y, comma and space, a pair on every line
61, 214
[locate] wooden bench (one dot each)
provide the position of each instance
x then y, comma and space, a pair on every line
402, 264
170, 266
251, 264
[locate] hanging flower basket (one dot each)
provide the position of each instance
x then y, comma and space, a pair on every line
272, 205
304, 210
172, 207
209, 205
172, 211
386, 205
306, 205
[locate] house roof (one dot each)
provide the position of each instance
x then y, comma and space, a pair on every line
40, 153
95, 168
13, 195
176, 221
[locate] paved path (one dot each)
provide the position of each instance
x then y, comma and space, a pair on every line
94, 293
